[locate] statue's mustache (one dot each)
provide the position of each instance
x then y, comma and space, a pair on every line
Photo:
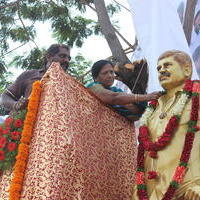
165, 74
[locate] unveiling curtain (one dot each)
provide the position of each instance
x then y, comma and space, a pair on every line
80, 149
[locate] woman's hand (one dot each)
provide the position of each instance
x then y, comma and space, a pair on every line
153, 95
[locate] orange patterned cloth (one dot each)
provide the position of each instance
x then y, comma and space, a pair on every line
5, 180
80, 148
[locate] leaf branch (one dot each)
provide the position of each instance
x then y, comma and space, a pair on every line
24, 27
121, 5
10, 4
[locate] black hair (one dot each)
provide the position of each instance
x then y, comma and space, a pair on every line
97, 66
54, 49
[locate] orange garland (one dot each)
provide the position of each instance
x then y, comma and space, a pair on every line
23, 149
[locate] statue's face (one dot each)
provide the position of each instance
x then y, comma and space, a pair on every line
171, 74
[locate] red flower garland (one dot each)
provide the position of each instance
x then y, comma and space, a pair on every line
163, 140
10, 133
146, 144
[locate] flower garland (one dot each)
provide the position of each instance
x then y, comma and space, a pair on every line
164, 140
23, 149
10, 134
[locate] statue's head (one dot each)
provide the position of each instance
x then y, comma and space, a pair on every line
174, 67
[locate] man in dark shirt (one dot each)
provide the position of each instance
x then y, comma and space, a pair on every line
15, 97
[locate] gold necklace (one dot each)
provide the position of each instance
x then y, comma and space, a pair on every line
163, 114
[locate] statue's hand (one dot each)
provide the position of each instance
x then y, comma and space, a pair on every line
192, 193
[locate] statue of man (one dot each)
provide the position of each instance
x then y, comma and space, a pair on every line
169, 140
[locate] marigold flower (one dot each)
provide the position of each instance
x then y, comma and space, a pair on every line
23, 149
26, 139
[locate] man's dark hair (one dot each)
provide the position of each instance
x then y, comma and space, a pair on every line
97, 66
54, 49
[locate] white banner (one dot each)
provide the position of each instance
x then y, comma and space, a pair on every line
195, 39
158, 29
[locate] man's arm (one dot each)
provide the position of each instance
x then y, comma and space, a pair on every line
12, 97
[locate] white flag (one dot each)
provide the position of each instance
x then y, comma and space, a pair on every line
158, 29
195, 39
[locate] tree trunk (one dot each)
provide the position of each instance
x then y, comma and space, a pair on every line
109, 33
189, 17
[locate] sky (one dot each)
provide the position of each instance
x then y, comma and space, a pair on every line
94, 48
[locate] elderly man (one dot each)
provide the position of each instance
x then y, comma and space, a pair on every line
169, 140
16, 96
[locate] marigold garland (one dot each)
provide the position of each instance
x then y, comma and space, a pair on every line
181, 169
23, 149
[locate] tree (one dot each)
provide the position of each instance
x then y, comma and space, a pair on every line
4, 82
80, 69
18, 20
109, 33
67, 27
